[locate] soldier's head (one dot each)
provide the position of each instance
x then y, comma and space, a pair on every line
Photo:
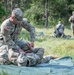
17, 15
59, 22
24, 45
73, 13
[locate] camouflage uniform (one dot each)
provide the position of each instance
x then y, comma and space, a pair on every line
59, 30
72, 24
10, 31
3, 51
26, 59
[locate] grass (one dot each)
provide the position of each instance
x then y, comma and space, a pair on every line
3, 73
55, 46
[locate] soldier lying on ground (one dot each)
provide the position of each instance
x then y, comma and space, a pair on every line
30, 56
59, 30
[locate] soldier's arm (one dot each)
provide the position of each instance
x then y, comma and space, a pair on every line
5, 30
29, 28
70, 19
63, 27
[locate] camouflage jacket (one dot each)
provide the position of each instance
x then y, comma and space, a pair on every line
11, 31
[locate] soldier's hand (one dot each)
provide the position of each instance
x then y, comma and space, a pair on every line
32, 44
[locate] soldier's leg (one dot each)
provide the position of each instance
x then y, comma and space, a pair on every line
30, 59
4, 54
35, 57
17, 58
22, 60
39, 52
56, 33
47, 58
3, 51
72, 28
13, 55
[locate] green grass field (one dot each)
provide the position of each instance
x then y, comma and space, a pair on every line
54, 46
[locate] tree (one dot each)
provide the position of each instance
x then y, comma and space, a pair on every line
35, 10
46, 13
2, 11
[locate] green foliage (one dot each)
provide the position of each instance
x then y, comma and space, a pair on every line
57, 10
34, 10
25, 35
2, 11
36, 13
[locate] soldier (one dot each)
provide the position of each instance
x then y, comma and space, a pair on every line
10, 29
71, 20
59, 30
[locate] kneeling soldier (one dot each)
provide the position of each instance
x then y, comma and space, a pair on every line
59, 30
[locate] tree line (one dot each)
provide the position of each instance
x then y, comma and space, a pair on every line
41, 12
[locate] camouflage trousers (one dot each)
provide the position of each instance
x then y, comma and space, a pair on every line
26, 59
4, 54
57, 33
3, 51
72, 28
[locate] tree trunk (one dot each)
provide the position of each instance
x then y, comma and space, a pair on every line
46, 13
19, 1
11, 5
6, 7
